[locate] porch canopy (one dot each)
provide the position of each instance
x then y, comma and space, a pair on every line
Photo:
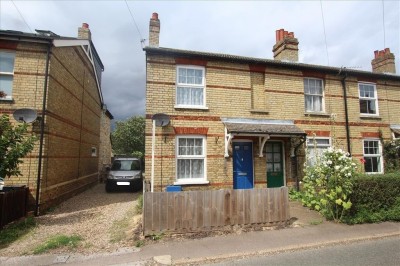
263, 129
396, 130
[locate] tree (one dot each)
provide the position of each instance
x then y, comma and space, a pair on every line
15, 144
128, 137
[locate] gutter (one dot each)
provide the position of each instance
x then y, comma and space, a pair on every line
42, 120
346, 112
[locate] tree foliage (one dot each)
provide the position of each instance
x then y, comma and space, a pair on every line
128, 137
15, 144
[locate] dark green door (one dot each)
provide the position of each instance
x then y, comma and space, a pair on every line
274, 164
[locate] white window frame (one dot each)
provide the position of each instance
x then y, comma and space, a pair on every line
8, 96
308, 94
186, 85
369, 98
316, 145
94, 151
379, 154
189, 181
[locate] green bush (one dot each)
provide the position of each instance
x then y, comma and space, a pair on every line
329, 183
375, 198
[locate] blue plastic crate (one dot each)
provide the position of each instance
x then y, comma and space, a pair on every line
174, 188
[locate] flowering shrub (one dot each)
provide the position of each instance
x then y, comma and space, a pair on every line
391, 153
328, 184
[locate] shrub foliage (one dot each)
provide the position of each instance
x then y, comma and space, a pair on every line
329, 183
375, 198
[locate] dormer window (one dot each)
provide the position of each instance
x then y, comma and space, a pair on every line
190, 89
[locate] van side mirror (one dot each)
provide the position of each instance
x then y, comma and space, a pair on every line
108, 168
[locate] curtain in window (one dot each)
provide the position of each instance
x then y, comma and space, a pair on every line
190, 167
189, 96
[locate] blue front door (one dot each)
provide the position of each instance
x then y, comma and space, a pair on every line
242, 165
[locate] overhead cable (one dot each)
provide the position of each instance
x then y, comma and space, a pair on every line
134, 21
22, 16
323, 24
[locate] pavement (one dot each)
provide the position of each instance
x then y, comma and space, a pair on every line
309, 230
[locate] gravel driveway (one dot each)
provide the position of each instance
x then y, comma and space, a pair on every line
106, 222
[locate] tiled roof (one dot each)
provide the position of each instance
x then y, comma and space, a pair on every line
272, 129
254, 60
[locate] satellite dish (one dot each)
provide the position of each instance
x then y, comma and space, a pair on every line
25, 115
162, 120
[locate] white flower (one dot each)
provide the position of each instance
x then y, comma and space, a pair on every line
329, 162
337, 167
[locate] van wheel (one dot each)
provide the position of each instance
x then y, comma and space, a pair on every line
108, 188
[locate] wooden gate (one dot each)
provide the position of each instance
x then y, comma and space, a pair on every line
193, 211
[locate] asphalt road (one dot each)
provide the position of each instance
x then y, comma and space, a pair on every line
374, 252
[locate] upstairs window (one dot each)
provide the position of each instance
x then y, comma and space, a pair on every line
313, 95
6, 74
190, 90
372, 156
368, 99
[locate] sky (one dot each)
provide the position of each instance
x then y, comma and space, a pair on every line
331, 33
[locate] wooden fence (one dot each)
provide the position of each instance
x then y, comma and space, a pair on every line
193, 211
13, 204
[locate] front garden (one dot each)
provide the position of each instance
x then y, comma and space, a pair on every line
335, 187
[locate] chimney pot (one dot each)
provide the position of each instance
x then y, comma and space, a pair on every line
85, 25
286, 47
154, 30
384, 61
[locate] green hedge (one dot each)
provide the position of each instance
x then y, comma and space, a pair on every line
375, 198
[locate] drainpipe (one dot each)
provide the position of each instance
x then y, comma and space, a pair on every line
297, 163
42, 130
346, 112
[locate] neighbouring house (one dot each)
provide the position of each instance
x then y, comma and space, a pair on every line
241, 122
60, 78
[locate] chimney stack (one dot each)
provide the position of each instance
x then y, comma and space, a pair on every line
154, 34
383, 62
84, 32
286, 47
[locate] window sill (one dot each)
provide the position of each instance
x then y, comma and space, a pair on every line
373, 117
205, 108
6, 100
192, 182
317, 114
259, 111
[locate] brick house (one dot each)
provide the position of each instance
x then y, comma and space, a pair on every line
60, 78
241, 122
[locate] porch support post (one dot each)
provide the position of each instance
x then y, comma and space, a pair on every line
228, 139
262, 141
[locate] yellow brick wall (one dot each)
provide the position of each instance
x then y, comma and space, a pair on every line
72, 121
233, 91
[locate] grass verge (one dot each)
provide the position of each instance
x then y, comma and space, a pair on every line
15, 231
119, 229
58, 241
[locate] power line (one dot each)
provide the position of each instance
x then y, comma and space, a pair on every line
134, 21
323, 23
383, 23
22, 16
